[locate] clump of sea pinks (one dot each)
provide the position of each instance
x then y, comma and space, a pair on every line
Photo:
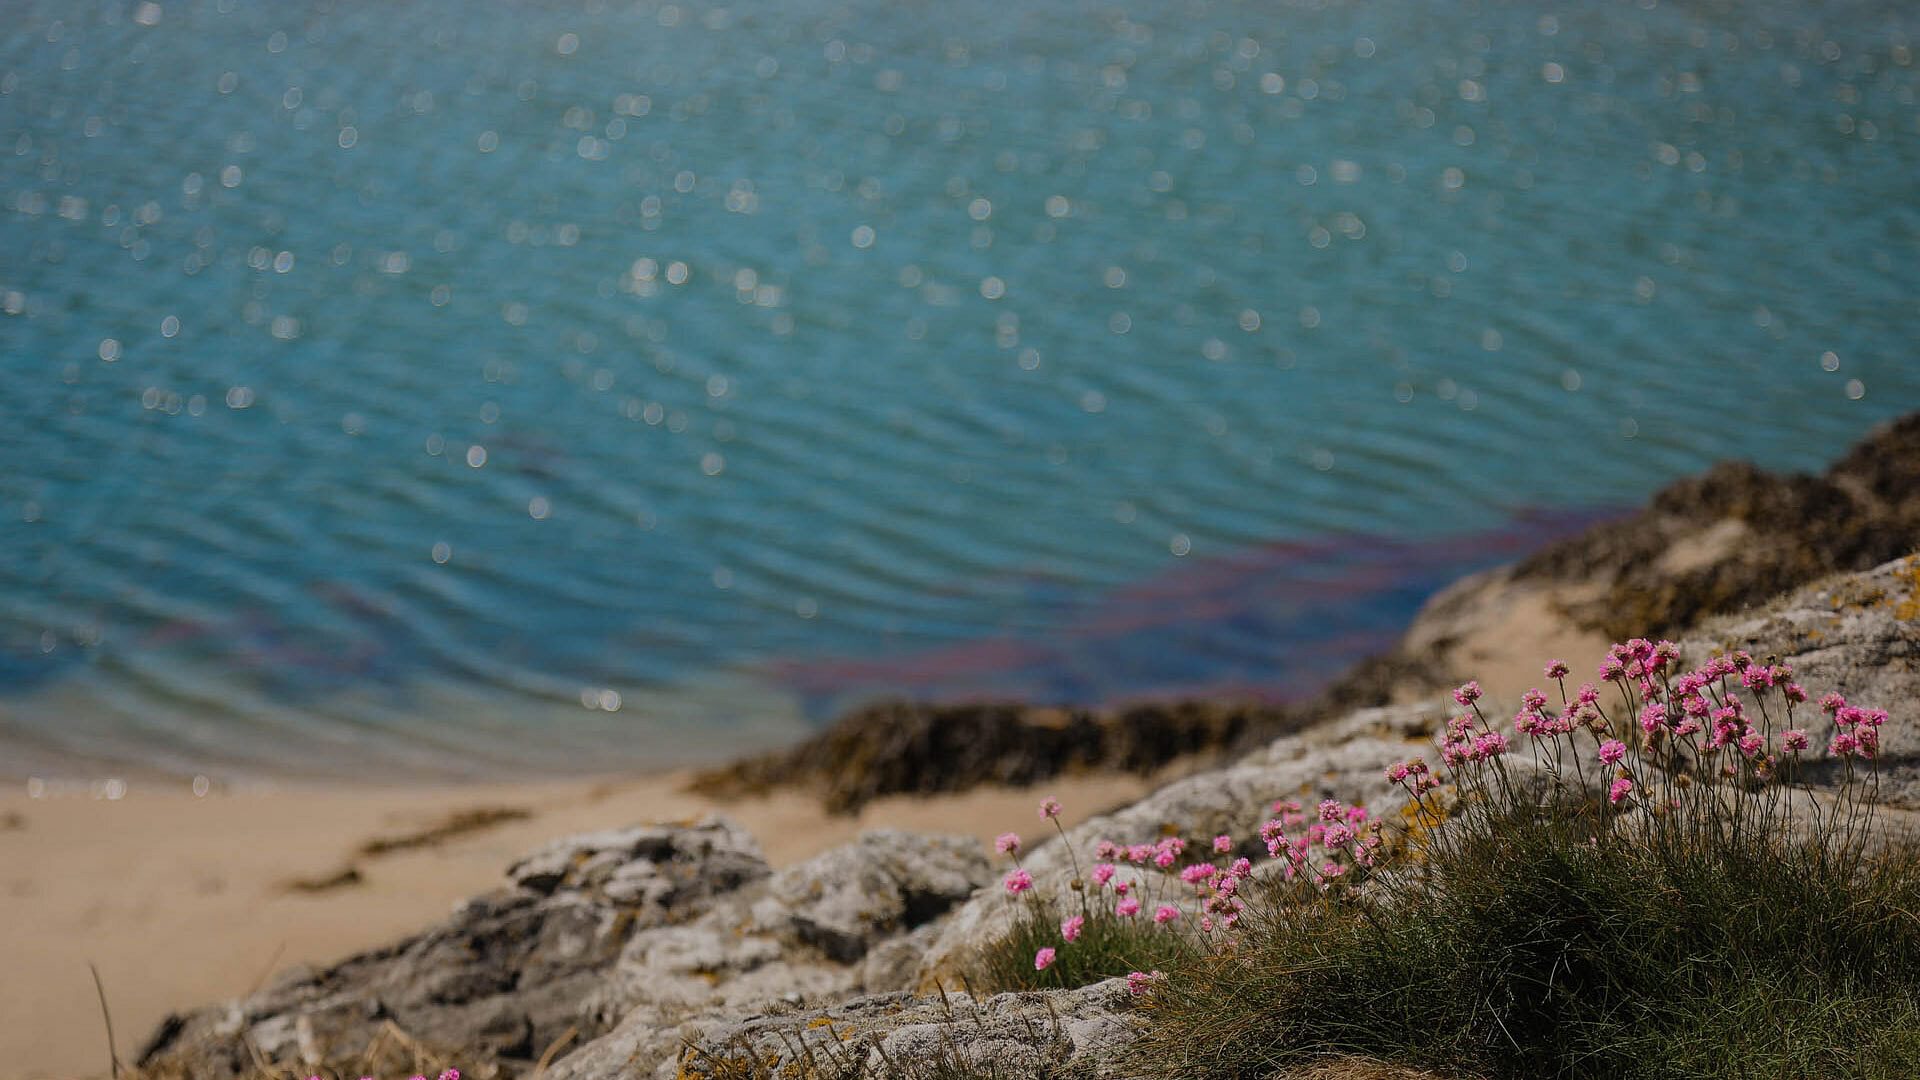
1653, 754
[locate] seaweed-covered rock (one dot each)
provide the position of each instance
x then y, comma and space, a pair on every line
669, 918
924, 748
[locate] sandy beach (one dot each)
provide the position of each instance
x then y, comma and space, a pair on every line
182, 900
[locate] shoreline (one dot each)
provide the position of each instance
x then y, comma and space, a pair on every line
184, 900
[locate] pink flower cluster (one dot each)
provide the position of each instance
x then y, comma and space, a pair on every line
1671, 721
1465, 741
1414, 776
1323, 846
1856, 731
1340, 839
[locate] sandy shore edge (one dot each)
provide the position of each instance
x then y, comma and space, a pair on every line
183, 900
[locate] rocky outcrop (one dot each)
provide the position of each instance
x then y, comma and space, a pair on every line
619, 950
664, 921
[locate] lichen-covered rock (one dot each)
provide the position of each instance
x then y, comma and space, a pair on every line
1343, 760
848, 899
1858, 634
666, 920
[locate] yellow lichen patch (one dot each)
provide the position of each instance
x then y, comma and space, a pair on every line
1907, 609
1419, 819
820, 1022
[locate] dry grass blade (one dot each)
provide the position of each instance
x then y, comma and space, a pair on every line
106, 1016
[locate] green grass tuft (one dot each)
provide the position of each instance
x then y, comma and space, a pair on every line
1109, 947
1525, 950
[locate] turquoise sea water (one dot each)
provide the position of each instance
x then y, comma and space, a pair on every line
427, 388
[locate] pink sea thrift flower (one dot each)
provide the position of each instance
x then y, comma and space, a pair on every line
1138, 982
1557, 669
1165, 913
1070, 928
1049, 807
1621, 789
1869, 742
1222, 844
1128, 907
1019, 881
1793, 740
1330, 810
1613, 751
450, 1074
1007, 843
1102, 873
1467, 694
1043, 959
